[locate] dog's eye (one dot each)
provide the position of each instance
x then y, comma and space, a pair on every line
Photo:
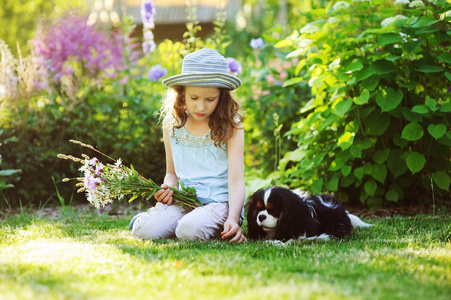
269, 205
260, 205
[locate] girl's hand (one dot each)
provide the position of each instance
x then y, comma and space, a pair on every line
164, 195
232, 228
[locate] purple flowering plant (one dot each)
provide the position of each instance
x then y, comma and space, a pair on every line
147, 17
70, 43
104, 183
156, 72
233, 66
257, 43
148, 13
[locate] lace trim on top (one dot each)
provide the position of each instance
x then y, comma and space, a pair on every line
183, 138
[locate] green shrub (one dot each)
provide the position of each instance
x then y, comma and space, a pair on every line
377, 127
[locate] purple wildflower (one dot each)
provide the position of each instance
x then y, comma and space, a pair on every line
234, 66
257, 43
147, 13
149, 46
87, 181
93, 184
99, 169
156, 72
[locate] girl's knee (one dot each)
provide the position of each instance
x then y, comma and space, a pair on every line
189, 231
145, 229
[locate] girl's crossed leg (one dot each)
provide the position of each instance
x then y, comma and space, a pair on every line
167, 221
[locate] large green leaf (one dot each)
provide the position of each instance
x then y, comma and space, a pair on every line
441, 179
389, 38
415, 161
412, 132
292, 81
377, 123
430, 69
358, 172
424, 22
382, 66
363, 98
368, 168
343, 107
353, 66
379, 172
332, 184
359, 145
420, 109
340, 160
432, 104
346, 170
345, 140
380, 156
445, 57
388, 99
446, 107
437, 131
284, 43
391, 195
371, 83
4, 186
9, 172
396, 164
370, 187
317, 186
412, 45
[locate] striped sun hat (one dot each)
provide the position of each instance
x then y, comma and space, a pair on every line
205, 68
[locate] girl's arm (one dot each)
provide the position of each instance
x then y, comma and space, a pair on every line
237, 190
170, 179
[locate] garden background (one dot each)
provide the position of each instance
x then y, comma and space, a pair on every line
347, 97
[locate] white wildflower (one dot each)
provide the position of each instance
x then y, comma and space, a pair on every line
118, 163
305, 43
402, 2
309, 29
416, 3
340, 5
335, 64
389, 21
332, 20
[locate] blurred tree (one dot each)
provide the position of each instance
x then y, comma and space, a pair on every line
19, 18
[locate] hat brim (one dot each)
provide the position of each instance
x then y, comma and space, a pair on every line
219, 80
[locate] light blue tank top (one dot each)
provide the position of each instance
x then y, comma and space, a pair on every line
200, 164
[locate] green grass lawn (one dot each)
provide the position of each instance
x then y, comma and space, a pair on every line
86, 256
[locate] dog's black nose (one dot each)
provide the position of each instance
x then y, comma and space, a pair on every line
261, 218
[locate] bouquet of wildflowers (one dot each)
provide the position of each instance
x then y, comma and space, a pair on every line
105, 182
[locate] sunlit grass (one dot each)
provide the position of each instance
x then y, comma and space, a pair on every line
92, 257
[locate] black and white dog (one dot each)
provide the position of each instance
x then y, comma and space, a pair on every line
277, 213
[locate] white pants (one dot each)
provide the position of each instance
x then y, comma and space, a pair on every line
168, 221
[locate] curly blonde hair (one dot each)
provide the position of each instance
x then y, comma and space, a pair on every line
223, 121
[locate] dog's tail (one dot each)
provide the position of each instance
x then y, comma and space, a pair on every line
356, 222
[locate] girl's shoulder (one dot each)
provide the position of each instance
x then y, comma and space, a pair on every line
169, 122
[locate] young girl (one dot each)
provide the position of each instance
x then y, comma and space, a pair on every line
204, 144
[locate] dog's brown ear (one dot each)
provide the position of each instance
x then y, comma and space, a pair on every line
257, 195
254, 231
